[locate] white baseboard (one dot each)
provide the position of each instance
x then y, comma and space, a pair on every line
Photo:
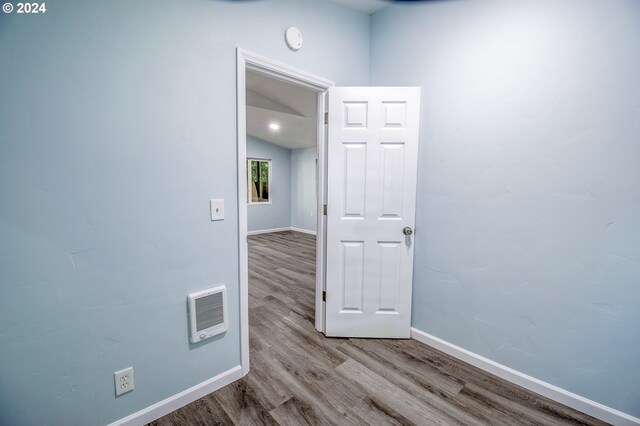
289, 228
304, 231
268, 231
181, 399
555, 393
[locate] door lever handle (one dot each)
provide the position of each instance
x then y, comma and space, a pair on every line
407, 230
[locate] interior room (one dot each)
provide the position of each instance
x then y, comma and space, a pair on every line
293, 212
281, 143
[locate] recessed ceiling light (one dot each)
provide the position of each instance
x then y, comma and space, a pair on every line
274, 126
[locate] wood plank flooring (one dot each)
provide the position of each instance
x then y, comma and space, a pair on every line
299, 377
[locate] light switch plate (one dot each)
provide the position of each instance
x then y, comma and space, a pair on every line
217, 209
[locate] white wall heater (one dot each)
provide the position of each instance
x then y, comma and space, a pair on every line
207, 313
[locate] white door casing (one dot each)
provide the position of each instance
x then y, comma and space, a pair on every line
256, 63
372, 169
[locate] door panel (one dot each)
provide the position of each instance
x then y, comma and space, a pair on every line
355, 166
353, 276
372, 162
392, 180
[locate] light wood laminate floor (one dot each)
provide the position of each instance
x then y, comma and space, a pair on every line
299, 377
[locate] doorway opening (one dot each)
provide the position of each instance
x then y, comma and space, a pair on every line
281, 190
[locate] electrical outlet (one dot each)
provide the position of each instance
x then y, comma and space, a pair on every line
123, 380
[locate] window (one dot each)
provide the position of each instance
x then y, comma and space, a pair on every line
259, 178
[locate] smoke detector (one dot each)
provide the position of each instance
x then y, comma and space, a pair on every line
293, 38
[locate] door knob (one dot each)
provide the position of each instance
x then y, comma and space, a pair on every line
407, 230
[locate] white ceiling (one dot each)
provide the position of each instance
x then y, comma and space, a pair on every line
292, 107
366, 6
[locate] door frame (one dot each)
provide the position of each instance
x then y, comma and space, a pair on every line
250, 61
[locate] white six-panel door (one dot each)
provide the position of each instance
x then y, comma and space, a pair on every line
372, 167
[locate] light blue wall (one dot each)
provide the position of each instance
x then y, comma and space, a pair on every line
293, 188
528, 215
277, 214
117, 125
303, 188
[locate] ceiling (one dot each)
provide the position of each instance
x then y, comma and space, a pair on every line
292, 107
366, 6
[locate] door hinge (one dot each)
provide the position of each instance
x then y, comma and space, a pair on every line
324, 209
326, 118
324, 296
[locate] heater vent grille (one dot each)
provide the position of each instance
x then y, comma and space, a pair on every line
207, 313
